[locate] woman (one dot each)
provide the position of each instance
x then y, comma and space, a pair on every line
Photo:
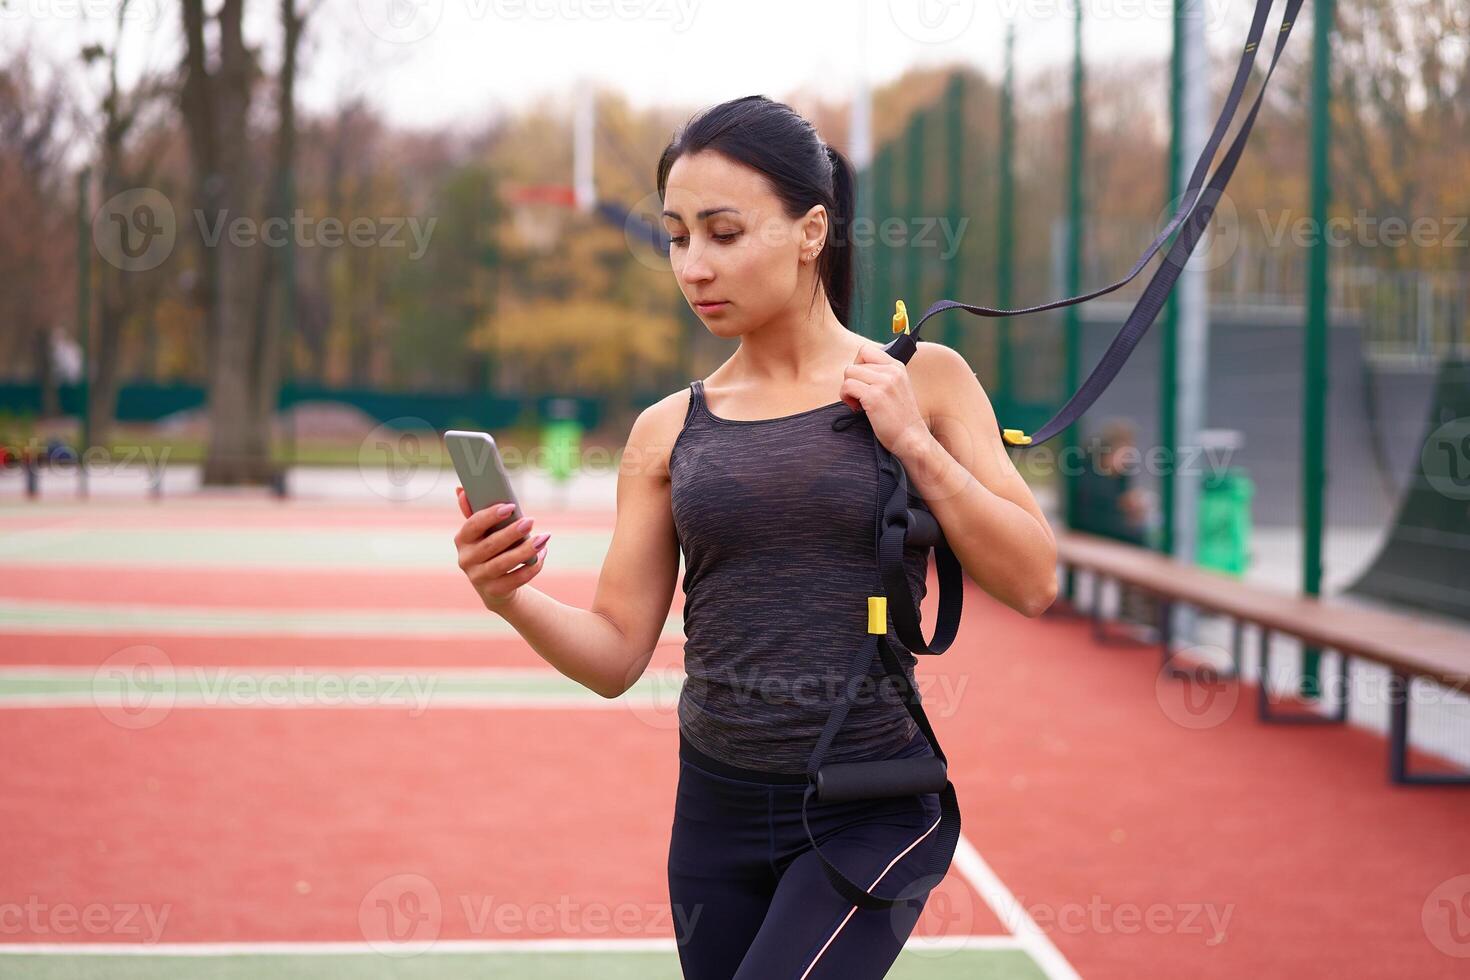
774, 511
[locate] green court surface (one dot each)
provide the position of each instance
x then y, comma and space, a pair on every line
49, 615
998, 964
308, 687
263, 547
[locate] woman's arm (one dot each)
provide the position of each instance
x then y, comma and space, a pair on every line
990, 519
607, 648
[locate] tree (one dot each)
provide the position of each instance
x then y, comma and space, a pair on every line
238, 285
36, 237
216, 110
122, 293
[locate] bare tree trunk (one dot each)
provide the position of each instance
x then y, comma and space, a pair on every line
265, 361
115, 284
362, 303
46, 375
216, 109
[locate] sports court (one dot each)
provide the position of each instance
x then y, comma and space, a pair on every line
236, 751
1205, 261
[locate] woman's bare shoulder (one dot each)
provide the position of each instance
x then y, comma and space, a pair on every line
657, 427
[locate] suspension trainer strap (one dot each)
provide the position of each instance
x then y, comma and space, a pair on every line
1196, 177
899, 525
940, 846
896, 522
1156, 293
1198, 207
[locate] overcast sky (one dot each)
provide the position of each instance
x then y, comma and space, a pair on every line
429, 63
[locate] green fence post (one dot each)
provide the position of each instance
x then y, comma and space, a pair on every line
1072, 321
913, 207
1004, 232
954, 132
874, 326
1314, 359
1169, 323
84, 320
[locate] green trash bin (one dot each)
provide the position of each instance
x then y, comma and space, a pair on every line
1225, 521
561, 439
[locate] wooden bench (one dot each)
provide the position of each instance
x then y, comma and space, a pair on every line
1407, 645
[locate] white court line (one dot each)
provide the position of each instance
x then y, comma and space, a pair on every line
1027, 933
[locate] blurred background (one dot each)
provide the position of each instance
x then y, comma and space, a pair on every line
267, 251
241, 238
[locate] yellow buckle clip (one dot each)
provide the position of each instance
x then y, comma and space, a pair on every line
878, 614
1016, 437
900, 317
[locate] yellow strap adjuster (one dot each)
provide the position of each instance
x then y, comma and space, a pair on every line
878, 614
900, 317
1015, 437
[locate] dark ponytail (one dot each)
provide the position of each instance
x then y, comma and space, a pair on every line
837, 270
773, 139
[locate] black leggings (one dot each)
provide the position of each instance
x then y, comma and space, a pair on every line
750, 898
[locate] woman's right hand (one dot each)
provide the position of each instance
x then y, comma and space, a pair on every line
487, 559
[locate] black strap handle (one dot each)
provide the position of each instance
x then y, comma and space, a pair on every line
940, 846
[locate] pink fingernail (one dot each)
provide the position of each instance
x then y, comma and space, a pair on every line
541, 540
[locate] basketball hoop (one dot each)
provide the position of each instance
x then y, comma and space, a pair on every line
562, 195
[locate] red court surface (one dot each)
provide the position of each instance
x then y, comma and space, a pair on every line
1142, 843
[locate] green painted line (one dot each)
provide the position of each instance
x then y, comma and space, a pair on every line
911, 965
52, 616
143, 686
212, 680
570, 550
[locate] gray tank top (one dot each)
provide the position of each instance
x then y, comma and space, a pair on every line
776, 519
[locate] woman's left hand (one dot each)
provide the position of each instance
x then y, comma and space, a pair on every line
879, 383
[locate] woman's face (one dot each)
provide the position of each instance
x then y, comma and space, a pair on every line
735, 254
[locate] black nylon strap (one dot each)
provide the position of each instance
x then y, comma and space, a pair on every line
1192, 188
892, 537
1199, 213
945, 837
1157, 291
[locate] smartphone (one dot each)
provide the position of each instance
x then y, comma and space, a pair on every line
482, 473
